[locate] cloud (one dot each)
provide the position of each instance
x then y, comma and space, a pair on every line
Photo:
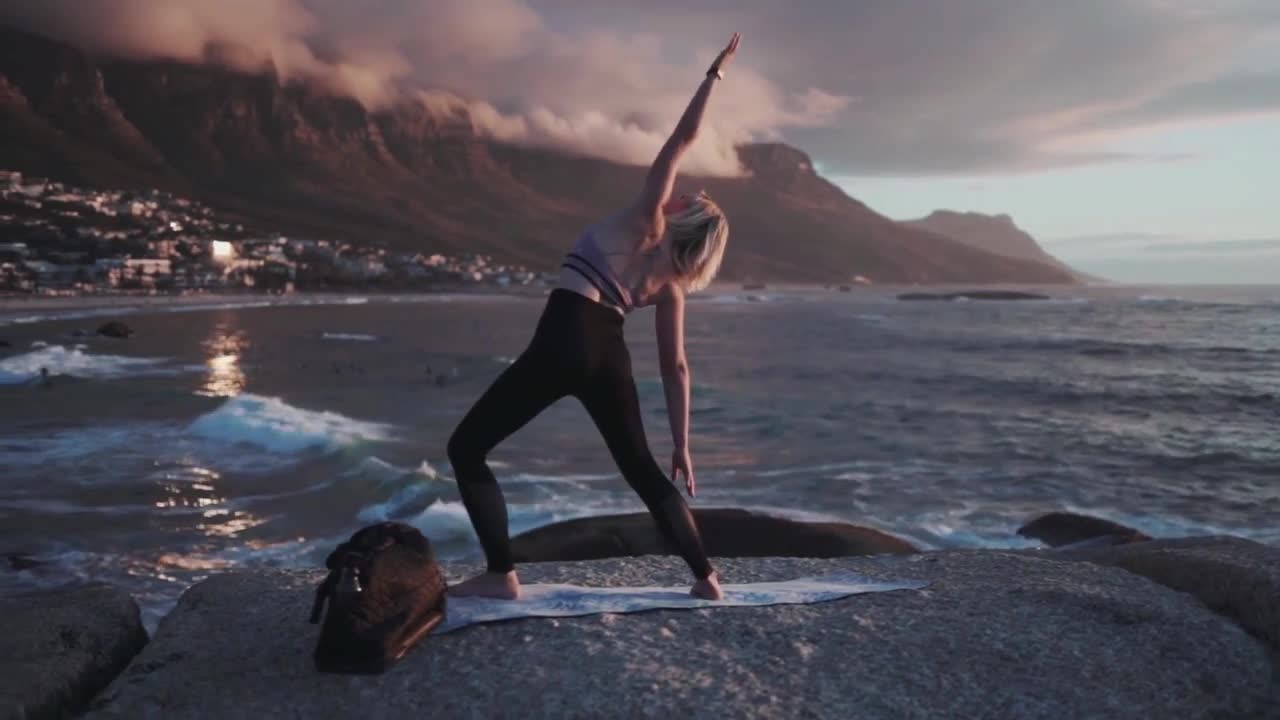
1250, 246
1154, 244
884, 87
596, 90
246, 34
972, 86
1022, 85
1241, 93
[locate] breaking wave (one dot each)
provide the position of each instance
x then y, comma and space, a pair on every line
272, 424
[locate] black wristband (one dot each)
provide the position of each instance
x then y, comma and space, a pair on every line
715, 71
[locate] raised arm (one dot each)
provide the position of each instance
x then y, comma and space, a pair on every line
662, 174
675, 380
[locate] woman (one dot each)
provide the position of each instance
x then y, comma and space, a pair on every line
652, 252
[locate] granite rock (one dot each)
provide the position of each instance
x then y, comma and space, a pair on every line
995, 635
1061, 529
1235, 577
726, 532
60, 648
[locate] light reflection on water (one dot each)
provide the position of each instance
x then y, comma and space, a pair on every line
192, 561
236, 522
226, 379
224, 347
196, 488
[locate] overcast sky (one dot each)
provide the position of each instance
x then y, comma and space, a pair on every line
1091, 122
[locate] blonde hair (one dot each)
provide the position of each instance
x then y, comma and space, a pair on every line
699, 234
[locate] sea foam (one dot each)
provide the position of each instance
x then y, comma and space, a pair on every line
447, 524
272, 424
78, 362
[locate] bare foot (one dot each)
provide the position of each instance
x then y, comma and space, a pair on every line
501, 586
708, 588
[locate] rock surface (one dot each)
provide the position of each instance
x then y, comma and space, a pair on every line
19, 561
1059, 529
996, 635
115, 329
1233, 576
726, 532
975, 295
58, 649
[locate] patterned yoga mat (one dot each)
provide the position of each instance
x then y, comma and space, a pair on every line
551, 600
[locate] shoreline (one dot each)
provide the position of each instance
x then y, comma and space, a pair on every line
13, 302
16, 310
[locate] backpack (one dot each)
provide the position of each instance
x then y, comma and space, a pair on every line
385, 592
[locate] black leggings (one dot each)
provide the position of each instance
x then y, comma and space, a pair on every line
578, 349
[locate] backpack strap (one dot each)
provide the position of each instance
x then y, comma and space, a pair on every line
323, 592
345, 564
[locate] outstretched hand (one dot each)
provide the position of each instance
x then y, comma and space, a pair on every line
726, 55
681, 462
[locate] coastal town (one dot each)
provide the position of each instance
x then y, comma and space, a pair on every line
57, 239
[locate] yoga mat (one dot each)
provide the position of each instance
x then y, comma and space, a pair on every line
551, 600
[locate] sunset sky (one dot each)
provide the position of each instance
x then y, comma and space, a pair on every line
1135, 138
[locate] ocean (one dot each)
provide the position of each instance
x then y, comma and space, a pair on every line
261, 432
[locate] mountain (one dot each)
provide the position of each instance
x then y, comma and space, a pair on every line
992, 233
294, 158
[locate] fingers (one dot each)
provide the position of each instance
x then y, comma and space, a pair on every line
727, 54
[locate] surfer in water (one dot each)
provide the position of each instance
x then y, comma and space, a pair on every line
654, 251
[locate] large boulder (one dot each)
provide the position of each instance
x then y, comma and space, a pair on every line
726, 532
995, 635
115, 329
60, 648
1060, 529
19, 561
1233, 576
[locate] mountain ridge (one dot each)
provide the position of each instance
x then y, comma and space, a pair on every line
997, 234
308, 162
